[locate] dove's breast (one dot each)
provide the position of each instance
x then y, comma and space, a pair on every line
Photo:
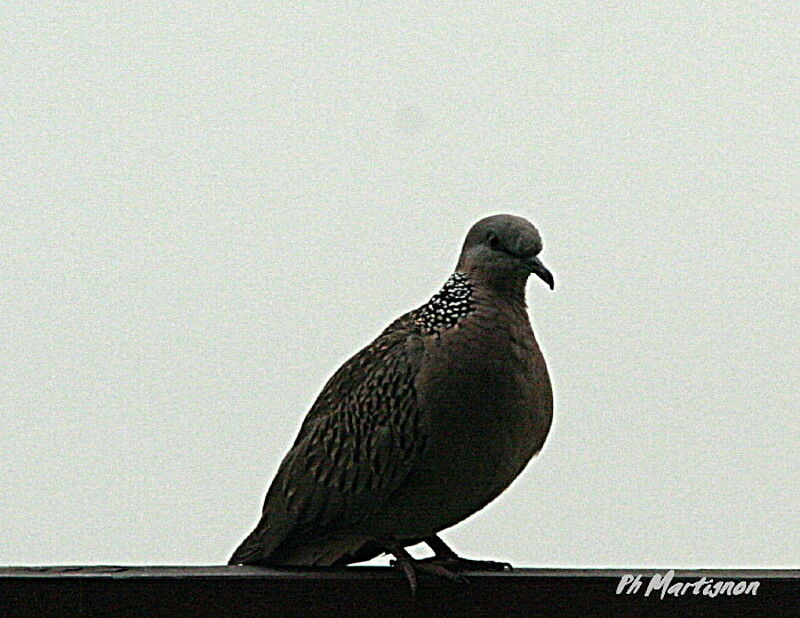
486, 408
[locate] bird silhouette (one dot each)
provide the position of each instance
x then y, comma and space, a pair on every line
421, 428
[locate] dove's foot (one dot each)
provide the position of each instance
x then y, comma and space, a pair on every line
447, 558
411, 566
458, 564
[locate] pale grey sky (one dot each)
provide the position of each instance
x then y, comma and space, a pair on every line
205, 210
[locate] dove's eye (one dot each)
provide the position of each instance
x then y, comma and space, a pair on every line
494, 242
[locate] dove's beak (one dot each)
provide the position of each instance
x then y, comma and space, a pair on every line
535, 265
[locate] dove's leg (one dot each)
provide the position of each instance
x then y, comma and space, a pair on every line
411, 566
447, 558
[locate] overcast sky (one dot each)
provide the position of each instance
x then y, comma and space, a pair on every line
205, 210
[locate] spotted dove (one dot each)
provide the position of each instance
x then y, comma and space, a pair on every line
421, 428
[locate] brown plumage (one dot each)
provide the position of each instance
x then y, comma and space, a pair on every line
421, 428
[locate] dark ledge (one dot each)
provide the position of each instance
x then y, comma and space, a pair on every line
379, 591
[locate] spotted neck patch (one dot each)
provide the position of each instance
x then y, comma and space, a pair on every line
450, 304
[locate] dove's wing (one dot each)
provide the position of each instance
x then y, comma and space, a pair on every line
355, 447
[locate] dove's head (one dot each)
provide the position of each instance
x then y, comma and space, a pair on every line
502, 251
